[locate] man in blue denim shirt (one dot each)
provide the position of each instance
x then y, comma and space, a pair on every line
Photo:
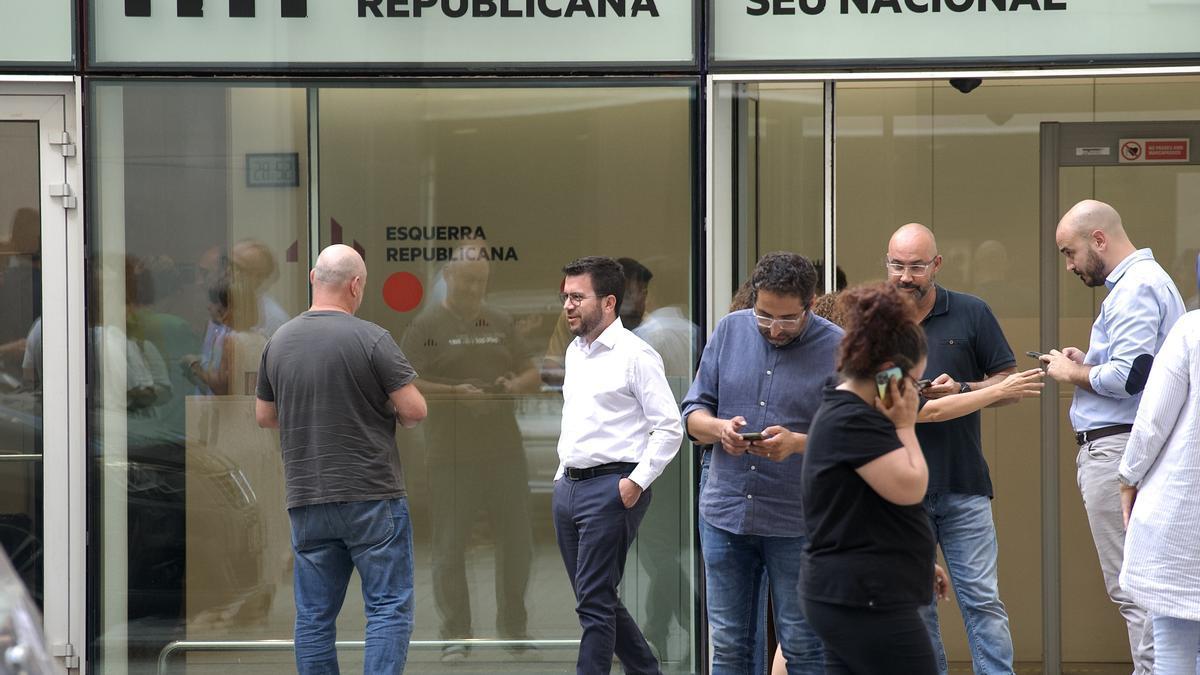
1142, 306
762, 372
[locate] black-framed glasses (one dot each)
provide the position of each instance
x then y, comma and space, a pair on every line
769, 322
574, 299
897, 269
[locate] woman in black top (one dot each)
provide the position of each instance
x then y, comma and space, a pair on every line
869, 564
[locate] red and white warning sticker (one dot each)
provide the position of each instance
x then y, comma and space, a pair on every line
1154, 150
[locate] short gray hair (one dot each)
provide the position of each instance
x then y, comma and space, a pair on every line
337, 270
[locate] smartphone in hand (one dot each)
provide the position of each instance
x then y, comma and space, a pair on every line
752, 436
884, 376
1035, 355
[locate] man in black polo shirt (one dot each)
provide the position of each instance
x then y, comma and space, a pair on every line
967, 351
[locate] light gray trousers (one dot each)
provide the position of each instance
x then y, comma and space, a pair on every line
1097, 466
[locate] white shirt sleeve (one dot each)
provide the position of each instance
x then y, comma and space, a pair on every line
649, 384
1158, 413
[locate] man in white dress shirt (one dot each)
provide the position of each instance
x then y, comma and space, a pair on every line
1161, 470
620, 429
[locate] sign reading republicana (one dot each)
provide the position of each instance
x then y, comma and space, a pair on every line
36, 31
166, 32
857, 30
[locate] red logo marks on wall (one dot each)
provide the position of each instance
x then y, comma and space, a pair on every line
403, 291
335, 237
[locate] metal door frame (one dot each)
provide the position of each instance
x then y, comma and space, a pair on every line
1063, 145
53, 102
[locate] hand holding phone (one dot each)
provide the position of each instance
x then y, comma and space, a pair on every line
883, 377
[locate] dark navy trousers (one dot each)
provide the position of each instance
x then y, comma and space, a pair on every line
594, 532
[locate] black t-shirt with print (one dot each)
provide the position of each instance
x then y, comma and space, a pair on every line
863, 551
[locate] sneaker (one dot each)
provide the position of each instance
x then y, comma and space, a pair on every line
454, 653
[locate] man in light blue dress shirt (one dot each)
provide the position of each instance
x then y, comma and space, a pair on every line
1134, 320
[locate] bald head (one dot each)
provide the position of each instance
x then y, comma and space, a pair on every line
1093, 240
913, 239
913, 262
1089, 216
338, 278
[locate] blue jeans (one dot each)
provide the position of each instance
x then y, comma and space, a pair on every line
761, 660
963, 527
1176, 642
330, 541
735, 564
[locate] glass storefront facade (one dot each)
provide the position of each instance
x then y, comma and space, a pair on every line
212, 149
194, 536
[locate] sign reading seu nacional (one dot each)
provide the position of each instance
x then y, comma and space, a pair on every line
393, 31
858, 30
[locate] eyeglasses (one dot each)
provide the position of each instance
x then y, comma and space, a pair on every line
574, 299
914, 270
770, 322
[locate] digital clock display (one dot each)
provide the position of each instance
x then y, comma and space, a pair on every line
273, 169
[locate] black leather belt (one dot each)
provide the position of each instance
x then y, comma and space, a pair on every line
600, 470
1082, 437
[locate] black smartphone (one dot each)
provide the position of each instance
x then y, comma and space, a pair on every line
1036, 355
922, 385
752, 436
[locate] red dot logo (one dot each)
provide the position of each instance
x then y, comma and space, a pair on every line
403, 292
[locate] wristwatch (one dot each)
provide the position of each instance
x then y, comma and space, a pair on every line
964, 387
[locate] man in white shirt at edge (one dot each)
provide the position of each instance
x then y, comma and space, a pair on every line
620, 429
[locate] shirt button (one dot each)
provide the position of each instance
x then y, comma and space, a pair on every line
753, 468
768, 372
749, 496
762, 402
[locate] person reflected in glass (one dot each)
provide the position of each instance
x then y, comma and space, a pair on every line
869, 564
473, 367
252, 264
677, 340
20, 291
232, 342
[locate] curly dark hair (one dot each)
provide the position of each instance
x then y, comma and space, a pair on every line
607, 275
785, 273
881, 325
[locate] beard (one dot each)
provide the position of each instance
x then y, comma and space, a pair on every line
780, 341
587, 322
917, 290
1092, 273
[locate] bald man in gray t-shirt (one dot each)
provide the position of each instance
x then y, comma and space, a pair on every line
335, 386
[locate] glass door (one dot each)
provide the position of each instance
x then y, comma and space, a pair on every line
34, 198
